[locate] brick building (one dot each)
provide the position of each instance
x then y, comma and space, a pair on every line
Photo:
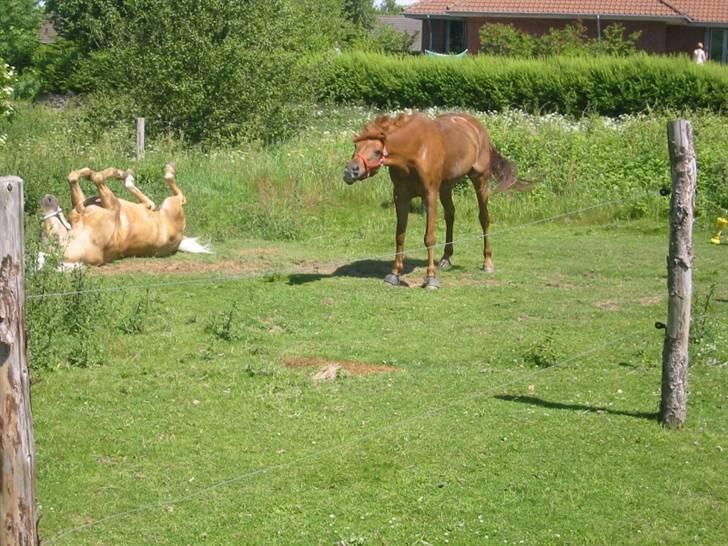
667, 26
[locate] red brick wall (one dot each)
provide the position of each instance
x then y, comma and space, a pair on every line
655, 37
683, 40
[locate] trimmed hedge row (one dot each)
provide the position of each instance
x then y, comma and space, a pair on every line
573, 86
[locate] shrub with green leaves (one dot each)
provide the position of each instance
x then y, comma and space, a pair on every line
6, 91
506, 40
571, 40
209, 71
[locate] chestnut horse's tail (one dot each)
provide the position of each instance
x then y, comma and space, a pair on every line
506, 173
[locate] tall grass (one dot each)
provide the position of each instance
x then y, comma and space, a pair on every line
294, 191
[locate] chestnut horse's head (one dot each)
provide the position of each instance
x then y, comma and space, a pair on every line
370, 150
369, 156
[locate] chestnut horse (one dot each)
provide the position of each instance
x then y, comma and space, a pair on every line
426, 157
104, 227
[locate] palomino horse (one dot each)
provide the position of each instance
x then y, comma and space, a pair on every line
103, 228
426, 157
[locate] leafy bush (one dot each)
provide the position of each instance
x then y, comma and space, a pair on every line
19, 24
571, 40
212, 71
7, 77
67, 319
506, 40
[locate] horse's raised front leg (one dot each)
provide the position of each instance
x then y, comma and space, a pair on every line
77, 196
431, 207
401, 204
480, 183
449, 206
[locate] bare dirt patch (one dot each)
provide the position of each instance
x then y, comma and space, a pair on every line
608, 305
267, 260
155, 266
352, 368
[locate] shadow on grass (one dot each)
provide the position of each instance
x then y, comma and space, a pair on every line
367, 269
533, 401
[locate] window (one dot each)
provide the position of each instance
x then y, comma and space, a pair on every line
718, 44
455, 38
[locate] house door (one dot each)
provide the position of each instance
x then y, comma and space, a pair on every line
718, 45
455, 37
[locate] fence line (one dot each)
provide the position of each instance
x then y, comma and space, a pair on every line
488, 392
228, 278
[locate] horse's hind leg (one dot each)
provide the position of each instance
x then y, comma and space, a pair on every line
107, 197
170, 169
136, 192
77, 196
449, 206
480, 183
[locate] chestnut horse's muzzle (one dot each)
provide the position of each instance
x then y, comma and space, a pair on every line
353, 172
358, 169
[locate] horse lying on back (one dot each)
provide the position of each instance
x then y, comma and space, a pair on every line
104, 228
426, 157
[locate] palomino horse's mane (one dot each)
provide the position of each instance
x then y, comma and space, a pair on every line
382, 126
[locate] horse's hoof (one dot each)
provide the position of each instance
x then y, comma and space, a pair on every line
431, 283
444, 264
488, 269
392, 279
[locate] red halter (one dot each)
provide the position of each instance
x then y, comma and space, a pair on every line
369, 167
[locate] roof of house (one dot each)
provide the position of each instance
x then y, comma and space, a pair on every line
691, 11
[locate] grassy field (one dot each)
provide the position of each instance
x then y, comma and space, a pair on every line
516, 408
513, 408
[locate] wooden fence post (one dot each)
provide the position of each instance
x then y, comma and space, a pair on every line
673, 406
17, 449
139, 139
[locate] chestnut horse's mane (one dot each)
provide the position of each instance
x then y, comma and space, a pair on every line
382, 126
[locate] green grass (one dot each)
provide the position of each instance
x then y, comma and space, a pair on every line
522, 405
184, 436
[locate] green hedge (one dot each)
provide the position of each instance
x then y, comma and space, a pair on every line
601, 85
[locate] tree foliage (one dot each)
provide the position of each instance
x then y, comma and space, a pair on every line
360, 13
390, 7
213, 70
19, 24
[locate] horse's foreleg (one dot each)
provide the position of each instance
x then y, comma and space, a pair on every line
481, 191
401, 204
77, 196
449, 206
431, 207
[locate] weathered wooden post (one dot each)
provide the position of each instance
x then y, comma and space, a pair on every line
17, 447
673, 406
139, 139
